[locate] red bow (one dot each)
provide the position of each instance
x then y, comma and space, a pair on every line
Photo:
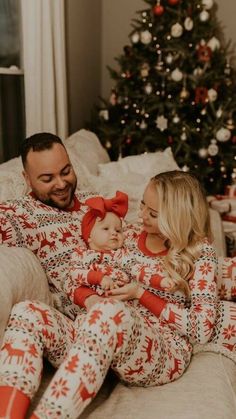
99, 207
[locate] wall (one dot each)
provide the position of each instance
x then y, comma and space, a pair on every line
116, 26
83, 29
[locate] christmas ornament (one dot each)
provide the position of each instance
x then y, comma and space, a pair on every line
135, 37
184, 94
176, 119
148, 88
162, 123
104, 114
183, 136
185, 168
213, 148
219, 113
201, 94
177, 75
176, 30
223, 135
188, 24
169, 58
212, 95
203, 152
158, 10
207, 4
145, 37
214, 43
204, 16
173, 2
227, 69
204, 53
230, 124
198, 72
143, 125
108, 144
145, 70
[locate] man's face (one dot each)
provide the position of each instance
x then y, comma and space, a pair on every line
51, 177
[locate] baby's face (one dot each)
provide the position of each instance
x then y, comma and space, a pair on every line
106, 234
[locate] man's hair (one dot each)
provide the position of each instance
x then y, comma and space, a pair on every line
38, 142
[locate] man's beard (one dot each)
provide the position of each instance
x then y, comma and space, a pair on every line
51, 203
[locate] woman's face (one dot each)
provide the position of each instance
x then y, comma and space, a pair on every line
149, 209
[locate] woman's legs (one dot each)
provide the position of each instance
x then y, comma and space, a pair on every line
33, 329
112, 334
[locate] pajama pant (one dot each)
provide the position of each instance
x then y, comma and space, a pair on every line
112, 334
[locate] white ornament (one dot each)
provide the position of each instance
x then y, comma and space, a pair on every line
214, 43
104, 114
176, 30
207, 4
213, 148
143, 125
135, 37
169, 58
183, 136
146, 37
204, 16
203, 152
177, 75
148, 88
223, 135
185, 168
198, 72
212, 95
219, 113
162, 123
176, 119
188, 24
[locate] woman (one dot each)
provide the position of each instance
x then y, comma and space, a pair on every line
148, 342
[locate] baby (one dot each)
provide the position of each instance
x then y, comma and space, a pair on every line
103, 265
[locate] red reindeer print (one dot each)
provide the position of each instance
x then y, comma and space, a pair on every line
130, 371
82, 393
13, 353
229, 270
95, 315
117, 319
208, 326
72, 364
43, 313
229, 346
25, 223
174, 318
120, 339
66, 234
176, 369
33, 350
45, 242
8, 208
148, 349
6, 234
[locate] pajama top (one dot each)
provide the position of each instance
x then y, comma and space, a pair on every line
50, 233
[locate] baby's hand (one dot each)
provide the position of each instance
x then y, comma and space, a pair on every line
167, 283
107, 283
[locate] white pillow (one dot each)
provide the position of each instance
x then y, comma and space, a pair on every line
147, 164
131, 175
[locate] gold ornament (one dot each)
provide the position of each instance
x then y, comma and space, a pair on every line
184, 94
230, 124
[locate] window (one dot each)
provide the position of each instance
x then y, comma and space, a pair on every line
12, 115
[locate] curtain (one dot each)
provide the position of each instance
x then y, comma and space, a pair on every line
44, 63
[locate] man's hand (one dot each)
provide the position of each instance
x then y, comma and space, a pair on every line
127, 292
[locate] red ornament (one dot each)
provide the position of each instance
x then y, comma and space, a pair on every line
173, 2
204, 53
158, 10
201, 94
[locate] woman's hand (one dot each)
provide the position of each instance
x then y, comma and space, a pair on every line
131, 291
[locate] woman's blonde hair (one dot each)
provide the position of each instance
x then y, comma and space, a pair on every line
183, 220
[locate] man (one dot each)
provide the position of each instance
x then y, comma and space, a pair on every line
47, 220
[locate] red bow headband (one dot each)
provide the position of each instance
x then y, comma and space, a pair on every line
99, 207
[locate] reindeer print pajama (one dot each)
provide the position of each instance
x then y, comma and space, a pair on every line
147, 342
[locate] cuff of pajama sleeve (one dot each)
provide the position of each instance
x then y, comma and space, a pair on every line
81, 294
152, 302
95, 277
155, 281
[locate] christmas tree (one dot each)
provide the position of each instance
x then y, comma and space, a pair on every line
175, 87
